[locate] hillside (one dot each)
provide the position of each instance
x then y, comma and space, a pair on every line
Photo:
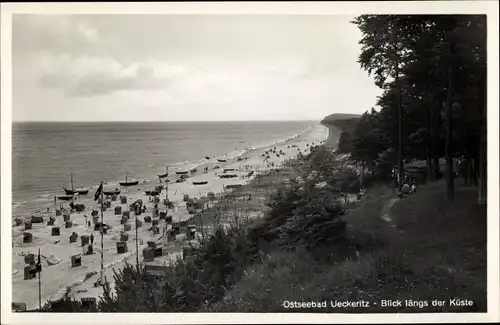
345, 122
332, 118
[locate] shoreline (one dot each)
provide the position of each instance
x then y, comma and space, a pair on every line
60, 276
38, 203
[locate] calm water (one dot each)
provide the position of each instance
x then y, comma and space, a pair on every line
44, 154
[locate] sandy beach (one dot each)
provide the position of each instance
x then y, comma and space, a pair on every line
56, 251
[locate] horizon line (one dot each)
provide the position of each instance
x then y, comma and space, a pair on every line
177, 121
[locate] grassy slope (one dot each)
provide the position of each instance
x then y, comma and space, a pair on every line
436, 251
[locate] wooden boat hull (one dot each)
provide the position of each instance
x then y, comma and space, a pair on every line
228, 176
163, 176
181, 173
207, 157
111, 192
200, 183
221, 160
233, 186
68, 192
65, 197
129, 183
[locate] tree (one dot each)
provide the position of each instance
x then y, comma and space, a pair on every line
422, 62
383, 56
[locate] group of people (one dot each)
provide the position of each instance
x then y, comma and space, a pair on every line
409, 187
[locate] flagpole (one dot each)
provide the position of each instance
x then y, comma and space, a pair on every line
39, 282
102, 234
136, 243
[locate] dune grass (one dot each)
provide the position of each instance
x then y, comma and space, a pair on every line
437, 250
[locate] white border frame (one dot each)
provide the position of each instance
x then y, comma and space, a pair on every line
222, 8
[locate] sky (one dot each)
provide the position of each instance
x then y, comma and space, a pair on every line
187, 68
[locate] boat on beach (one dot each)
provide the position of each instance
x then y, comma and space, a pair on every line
207, 157
127, 183
182, 178
221, 160
200, 183
112, 192
181, 173
164, 175
65, 197
228, 176
72, 191
232, 186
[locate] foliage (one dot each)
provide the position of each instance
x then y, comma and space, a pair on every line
422, 62
345, 143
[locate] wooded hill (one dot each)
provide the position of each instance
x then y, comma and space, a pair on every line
432, 69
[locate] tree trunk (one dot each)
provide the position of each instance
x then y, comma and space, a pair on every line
400, 127
483, 155
428, 161
434, 142
449, 130
428, 125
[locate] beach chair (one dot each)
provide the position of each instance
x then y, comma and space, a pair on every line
176, 228
123, 236
138, 223
29, 259
76, 260
56, 231
158, 252
73, 238
29, 272
27, 237
118, 210
85, 240
124, 220
18, 221
148, 254
123, 200
51, 221
155, 230
187, 251
163, 215
191, 234
68, 224
126, 214
89, 304
147, 219
66, 217
36, 219
58, 212
155, 222
127, 227
121, 247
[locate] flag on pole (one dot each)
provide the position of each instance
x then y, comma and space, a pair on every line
39, 263
98, 193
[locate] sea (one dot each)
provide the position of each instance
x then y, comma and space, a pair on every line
45, 154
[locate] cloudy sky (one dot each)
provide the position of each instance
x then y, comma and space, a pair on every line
186, 67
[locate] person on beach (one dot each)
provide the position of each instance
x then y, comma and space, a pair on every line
86, 221
91, 239
89, 223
